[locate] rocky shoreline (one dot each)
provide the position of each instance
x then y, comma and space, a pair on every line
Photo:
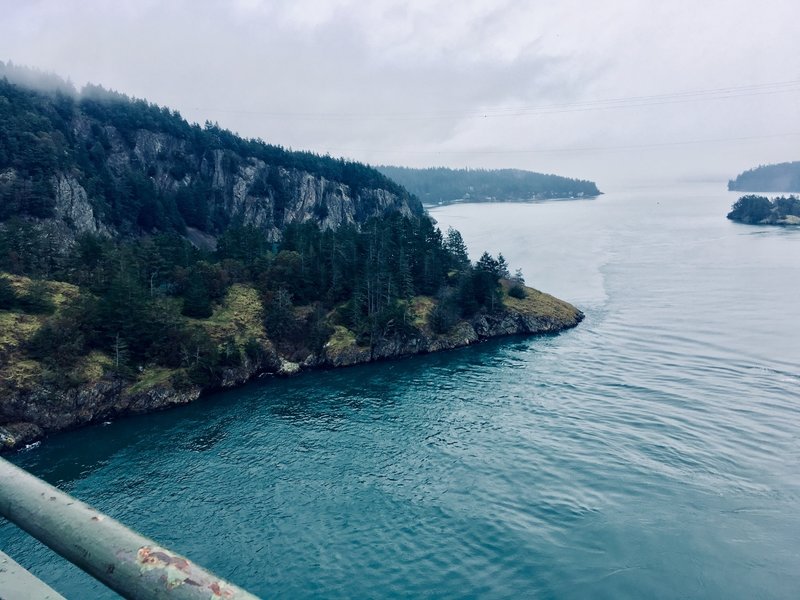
29, 415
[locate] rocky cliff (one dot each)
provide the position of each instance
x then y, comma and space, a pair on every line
99, 162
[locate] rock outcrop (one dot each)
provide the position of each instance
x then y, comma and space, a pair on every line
102, 163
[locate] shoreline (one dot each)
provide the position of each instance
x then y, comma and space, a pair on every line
29, 415
428, 205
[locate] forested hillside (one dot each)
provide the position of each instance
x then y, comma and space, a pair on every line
437, 185
144, 260
783, 177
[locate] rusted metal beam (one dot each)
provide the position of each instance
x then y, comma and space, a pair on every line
130, 564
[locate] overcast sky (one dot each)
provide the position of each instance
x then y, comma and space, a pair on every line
700, 89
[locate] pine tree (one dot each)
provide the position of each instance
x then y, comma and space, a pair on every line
455, 245
197, 302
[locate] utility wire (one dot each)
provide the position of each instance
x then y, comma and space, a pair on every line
722, 93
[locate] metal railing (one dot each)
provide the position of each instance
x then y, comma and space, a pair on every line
128, 563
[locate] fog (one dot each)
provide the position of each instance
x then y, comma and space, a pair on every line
624, 93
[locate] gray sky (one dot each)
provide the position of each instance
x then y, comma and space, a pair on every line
499, 83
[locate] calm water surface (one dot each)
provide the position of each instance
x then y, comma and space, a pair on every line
653, 452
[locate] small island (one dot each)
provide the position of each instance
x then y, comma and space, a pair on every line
760, 210
444, 186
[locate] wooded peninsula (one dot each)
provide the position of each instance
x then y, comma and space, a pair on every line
442, 186
145, 260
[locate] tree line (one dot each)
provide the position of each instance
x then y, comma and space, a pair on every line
143, 301
782, 177
760, 209
440, 184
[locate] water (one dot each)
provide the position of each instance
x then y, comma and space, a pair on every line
653, 452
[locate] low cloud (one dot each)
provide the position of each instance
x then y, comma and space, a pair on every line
467, 84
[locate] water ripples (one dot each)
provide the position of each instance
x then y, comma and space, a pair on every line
653, 452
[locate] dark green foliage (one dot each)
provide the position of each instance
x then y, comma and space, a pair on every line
497, 268
193, 202
37, 299
254, 351
787, 206
201, 357
457, 248
517, 291
64, 339
759, 209
242, 243
280, 322
446, 313
8, 297
196, 300
484, 287
783, 177
447, 185
25, 248
362, 278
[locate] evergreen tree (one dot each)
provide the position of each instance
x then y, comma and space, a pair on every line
457, 248
196, 301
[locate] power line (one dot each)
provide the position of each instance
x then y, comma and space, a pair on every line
722, 93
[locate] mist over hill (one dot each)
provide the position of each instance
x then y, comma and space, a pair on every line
97, 161
782, 177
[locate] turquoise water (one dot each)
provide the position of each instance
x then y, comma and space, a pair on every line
653, 452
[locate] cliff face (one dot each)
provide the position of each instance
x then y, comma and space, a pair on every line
102, 163
236, 190
28, 414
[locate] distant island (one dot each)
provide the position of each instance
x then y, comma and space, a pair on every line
145, 261
440, 185
783, 177
760, 210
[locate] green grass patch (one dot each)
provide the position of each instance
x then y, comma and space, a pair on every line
58, 291
341, 339
151, 377
94, 365
16, 328
240, 316
421, 308
537, 304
